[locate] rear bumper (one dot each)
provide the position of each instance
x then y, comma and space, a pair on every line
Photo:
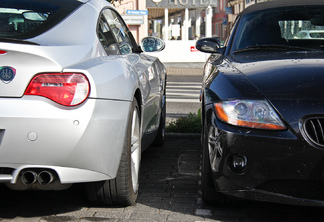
80, 144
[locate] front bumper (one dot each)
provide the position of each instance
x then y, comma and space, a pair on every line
280, 166
79, 144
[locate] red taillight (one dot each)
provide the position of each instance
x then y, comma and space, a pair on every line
69, 89
2, 52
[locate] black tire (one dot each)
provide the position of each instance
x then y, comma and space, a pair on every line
210, 193
122, 190
160, 137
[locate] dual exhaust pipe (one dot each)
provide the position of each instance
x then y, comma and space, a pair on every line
43, 178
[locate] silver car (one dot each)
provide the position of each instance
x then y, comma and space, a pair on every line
80, 100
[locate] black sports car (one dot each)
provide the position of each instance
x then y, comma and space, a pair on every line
263, 106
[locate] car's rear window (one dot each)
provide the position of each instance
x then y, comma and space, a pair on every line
23, 19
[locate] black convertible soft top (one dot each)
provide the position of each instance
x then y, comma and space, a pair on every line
280, 3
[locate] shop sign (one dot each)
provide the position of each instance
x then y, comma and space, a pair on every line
180, 3
133, 19
228, 10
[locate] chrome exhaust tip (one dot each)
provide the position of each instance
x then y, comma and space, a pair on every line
28, 177
45, 177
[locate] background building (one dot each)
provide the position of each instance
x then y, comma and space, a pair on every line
181, 22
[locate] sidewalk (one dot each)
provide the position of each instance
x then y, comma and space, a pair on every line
185, 69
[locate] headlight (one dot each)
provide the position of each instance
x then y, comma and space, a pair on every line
249, 113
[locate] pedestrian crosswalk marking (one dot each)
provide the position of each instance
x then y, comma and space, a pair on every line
183, 92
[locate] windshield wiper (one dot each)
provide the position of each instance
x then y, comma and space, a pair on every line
20, 41
271, 47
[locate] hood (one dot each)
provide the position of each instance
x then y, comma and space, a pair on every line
293, 83
290, 76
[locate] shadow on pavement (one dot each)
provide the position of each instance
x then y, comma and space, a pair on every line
169, 191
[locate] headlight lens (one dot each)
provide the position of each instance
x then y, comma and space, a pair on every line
249, 113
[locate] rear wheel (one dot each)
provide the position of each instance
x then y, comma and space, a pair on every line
160, 137
122, 190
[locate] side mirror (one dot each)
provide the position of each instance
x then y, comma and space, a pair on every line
209, 45
35, 16
152, 44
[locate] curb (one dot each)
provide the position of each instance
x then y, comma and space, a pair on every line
183, 135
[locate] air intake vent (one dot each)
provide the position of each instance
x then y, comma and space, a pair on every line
314, 130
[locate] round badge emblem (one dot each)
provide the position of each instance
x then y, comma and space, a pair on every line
7, 74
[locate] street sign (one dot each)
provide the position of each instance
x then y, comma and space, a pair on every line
137, 12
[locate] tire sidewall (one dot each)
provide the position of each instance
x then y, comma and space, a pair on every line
207, 185
128, 146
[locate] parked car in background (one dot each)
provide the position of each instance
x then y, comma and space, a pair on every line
262, 107
310, 34
79, 99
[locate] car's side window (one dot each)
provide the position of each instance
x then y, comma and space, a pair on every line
106, 37
120, 31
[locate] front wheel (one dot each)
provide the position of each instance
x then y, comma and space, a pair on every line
122, 190
211, 152
209, 193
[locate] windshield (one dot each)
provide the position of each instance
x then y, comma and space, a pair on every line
288, 27
22, 19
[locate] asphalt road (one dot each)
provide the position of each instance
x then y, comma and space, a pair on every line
183, 94
183, 89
